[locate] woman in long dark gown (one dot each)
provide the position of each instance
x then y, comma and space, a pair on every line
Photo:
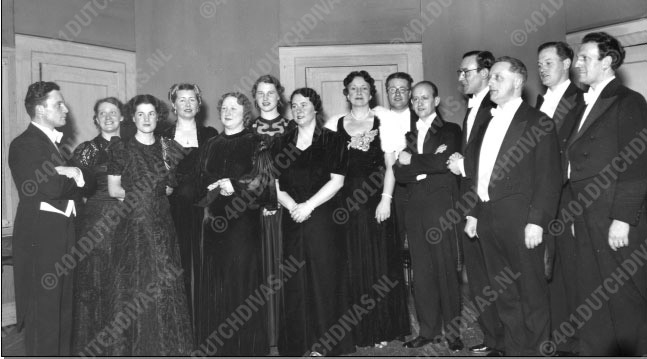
231, 243
271, 126
148, 298
97, 221
371, 246
186, 100
314, 298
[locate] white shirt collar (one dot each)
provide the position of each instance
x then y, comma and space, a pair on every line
53, 135
429, 120
559, 90
511, 106
602, 85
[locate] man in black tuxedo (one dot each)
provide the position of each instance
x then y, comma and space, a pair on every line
44, 225
517, 178
608, 173
432, 190
563, 102
473, 76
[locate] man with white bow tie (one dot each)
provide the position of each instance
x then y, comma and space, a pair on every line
563, 102
44, 224
432, 190
607, 170
473, 76
518, 180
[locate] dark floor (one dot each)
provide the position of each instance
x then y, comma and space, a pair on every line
13, 344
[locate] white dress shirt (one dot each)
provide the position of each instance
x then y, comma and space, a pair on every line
55, 136
423, 127
590, 98
474, 103
492, 141
552, 98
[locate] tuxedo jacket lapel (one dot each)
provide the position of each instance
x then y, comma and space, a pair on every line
566, 104
56, 154
540, 101
606, 99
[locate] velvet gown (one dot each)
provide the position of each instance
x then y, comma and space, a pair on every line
230, 260
186, 216
373, 253
314, 297
148, 299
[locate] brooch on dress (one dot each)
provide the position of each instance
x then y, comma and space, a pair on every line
362, 141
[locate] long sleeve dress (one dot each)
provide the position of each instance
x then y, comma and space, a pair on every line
229, 322
186, 216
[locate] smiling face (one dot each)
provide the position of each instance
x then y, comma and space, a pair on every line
359, 92
303, 111
109, 118
186, 104
232, 115
504, 84
145, 118
424, 100
399, 94
267, 97
590, 69
552, 70
54, 111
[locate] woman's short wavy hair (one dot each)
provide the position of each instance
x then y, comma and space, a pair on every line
315, 99
172, 92
112, 100
242, 100
131, 107
269, 79
367, 77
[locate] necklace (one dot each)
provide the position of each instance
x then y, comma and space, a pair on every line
357, 118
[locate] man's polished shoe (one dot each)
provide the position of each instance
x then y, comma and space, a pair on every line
495, 353
480, 349
418, 342
455, 345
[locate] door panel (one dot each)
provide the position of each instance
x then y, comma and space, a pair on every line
81, 87
324, 68
329, 83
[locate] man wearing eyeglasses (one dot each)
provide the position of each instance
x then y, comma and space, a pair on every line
473, 76
397, 122
44, 225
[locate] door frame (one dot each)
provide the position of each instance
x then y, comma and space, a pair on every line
295, 60
29, 49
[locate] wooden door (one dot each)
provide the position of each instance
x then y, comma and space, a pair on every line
85, 74
324, 68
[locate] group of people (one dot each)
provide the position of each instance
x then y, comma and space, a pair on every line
288, 233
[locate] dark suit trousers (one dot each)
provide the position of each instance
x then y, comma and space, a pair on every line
435, 279
617, 326
48, 320
563, 286
522, 303
477, 279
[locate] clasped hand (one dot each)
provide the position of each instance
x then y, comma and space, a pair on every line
301, 212
226, 188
